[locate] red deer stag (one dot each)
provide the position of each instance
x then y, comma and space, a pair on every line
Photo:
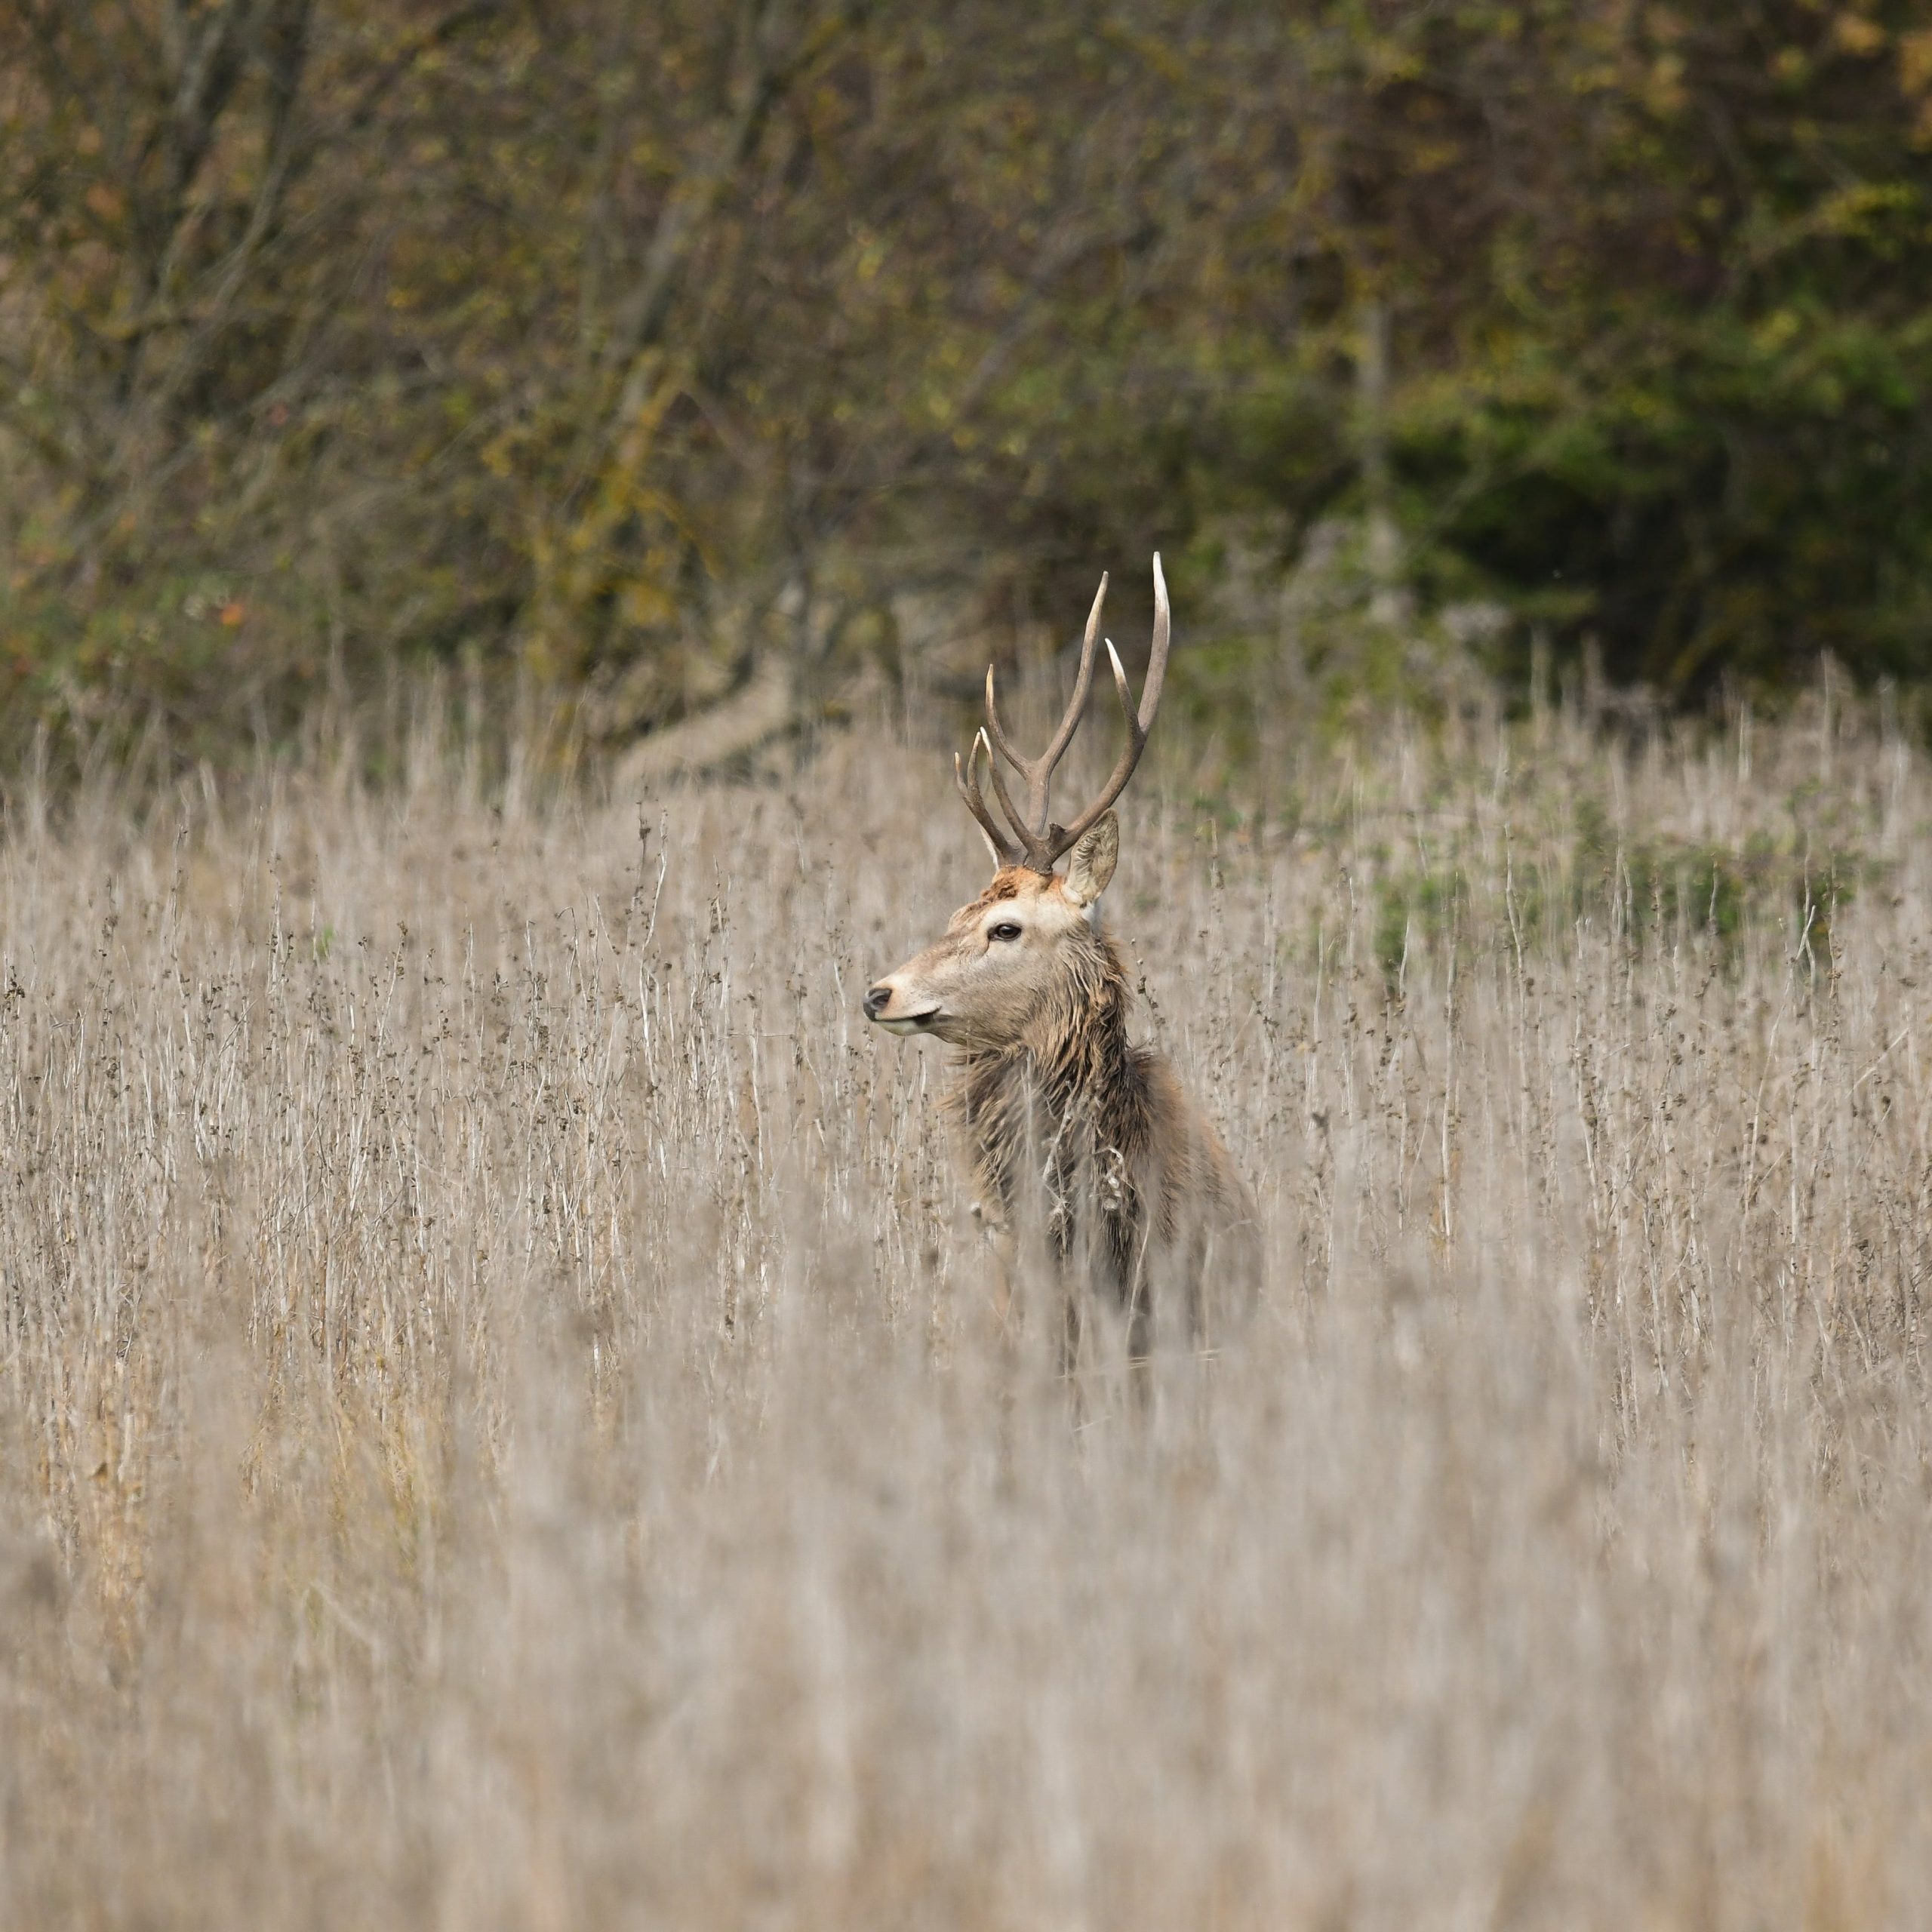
1078, 1141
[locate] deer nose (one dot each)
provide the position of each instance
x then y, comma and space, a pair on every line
877, 1000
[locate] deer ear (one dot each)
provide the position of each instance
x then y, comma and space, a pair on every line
1091, 864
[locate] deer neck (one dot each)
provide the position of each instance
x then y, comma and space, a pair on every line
1067, 1082
1076, 1049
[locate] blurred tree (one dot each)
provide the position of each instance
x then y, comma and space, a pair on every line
1682, 399
658, 346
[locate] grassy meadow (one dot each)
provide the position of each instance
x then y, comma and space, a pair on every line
502, 1422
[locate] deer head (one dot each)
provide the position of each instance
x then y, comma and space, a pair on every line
1028, 943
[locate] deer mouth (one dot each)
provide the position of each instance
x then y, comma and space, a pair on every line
909, 1022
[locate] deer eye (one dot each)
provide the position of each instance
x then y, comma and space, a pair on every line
1006, 929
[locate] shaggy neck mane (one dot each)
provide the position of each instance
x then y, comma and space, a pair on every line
1071, 1079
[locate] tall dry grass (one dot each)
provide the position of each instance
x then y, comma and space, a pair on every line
501, 1423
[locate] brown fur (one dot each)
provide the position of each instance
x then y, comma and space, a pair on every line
1077, 1141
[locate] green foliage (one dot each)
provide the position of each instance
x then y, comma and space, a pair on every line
616, 341
1648, 887
1691, 416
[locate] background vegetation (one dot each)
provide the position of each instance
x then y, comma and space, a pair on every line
701, 356
501, 1421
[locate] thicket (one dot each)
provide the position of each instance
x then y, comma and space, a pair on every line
679, 352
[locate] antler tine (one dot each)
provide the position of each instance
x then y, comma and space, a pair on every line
1039, 772
1157, 652
1030, 839
1059, 839
1034, 823
1077, 705
966, 777
1000, 741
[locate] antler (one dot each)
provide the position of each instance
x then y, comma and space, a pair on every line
966, 777
1035, 839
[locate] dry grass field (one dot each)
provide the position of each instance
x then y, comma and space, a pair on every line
501, 1423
